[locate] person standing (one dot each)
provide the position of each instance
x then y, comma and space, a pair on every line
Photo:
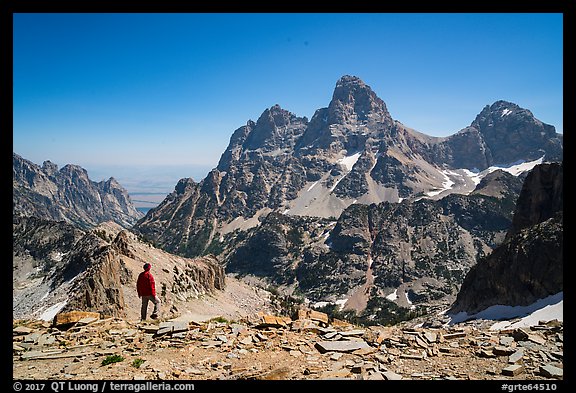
146, 288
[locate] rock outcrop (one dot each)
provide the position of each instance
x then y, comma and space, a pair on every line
528, 265
58, 267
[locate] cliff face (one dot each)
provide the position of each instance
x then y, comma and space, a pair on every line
541, 197
69, 195
529, 264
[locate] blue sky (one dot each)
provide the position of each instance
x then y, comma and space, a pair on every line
152, 98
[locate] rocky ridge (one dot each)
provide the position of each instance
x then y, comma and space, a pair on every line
69, 195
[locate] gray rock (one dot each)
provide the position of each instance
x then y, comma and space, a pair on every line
551, 371
340, 346
513, 370
431, 337
391, 375
21, 330
516, 356
503, 351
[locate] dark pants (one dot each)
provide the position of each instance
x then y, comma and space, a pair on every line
144, 309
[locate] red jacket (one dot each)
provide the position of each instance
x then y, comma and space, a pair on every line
145, 284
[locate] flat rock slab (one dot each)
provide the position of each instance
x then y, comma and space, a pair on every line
21, 330
450, 336
410, 356
391, 376
516, 356
355, 332
66, 318
274, 321
313, 315
500, 350
37, 354
172, 327
335, 374
535, 338
513, 370
551, 371
87, 320
430, 337
341, 346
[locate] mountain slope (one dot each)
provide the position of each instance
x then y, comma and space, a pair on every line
59, 267
423, 247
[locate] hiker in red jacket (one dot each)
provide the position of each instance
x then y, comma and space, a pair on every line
146, 288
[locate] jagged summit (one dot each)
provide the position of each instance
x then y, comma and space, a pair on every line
275, 129
49, 167
68, 194
355, 100
499, 110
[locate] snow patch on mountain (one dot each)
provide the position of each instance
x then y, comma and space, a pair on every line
549, 308
446, 184
463, 180
350, 160
393, 296
50, 312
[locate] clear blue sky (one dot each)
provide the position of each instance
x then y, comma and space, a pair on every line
112, 92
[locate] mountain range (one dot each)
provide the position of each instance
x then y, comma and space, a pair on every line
350, 210
68, 195
350, 152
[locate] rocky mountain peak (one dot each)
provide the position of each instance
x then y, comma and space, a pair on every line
50, 168
275, 116
513, 133
500, 112
75, 173
111, 184
355, 100
275, 129
184, 184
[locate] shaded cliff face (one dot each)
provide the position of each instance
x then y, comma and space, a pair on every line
69, 195
58, 267
352, 151
528, 265
541, 197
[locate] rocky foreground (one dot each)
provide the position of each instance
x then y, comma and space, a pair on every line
84, 346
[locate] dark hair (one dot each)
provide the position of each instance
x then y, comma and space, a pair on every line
147, 266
